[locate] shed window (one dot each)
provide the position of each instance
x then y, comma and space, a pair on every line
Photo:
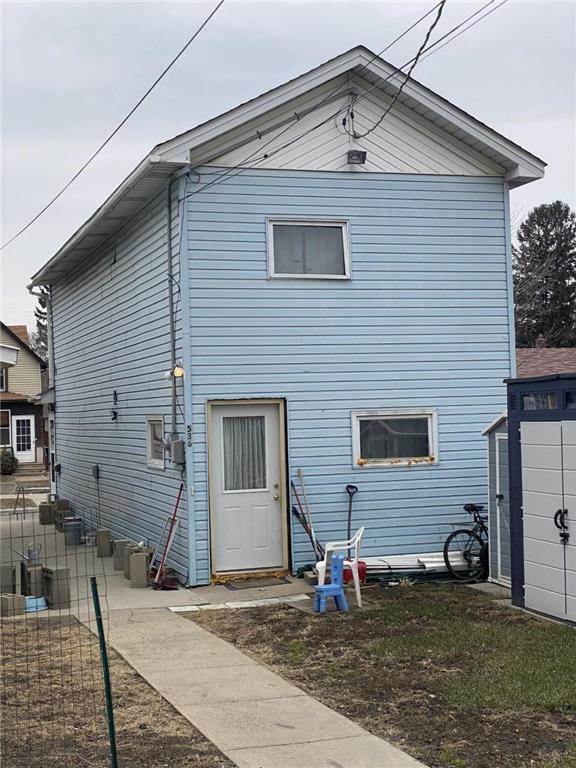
539, 401
312, 249
3, 380
392, 438
5, 429
155, 441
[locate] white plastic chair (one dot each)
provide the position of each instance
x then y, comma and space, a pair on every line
351, 562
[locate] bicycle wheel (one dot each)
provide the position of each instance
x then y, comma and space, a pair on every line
465, 555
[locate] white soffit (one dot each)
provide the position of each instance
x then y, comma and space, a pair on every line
141, 186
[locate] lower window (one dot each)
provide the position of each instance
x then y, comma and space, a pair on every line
394, 437
155, 441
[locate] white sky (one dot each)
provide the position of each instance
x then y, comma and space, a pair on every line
70, 71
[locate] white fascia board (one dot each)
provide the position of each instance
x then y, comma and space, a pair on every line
530, 164
496, 423
527, 167
147, 166
258, 106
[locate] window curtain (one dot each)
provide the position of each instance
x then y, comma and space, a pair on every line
244, 439
303, 250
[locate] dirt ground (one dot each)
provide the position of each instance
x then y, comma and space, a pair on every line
448, 675
52, 706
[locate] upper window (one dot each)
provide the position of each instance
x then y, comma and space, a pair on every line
5, 428
394, 438
155, 441
3, 380
571, 398
313, 249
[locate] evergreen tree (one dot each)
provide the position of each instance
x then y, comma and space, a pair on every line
39, 341
544, 269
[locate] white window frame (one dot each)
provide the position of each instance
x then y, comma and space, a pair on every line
313, 222
150, 461
3, 379
383, 413
9, 427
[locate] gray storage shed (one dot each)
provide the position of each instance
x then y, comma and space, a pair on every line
500, 566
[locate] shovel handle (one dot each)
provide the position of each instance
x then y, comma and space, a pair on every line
351, 490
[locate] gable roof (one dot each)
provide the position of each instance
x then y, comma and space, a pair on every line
545, 361
22, 332
240, 125
17, 332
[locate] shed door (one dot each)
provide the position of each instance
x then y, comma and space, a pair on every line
542, 497
246, 501
569, 467
502, 509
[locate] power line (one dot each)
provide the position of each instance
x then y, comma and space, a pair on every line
241, 167
118, 127
406, 78
326, 98
469, 26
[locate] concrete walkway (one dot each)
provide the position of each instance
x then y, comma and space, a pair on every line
251, 714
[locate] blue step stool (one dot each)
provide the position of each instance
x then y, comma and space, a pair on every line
335, 589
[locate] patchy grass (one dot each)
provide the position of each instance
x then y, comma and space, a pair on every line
452, 677
52, 706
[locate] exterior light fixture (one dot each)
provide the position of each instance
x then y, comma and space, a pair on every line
356, 157
175, 373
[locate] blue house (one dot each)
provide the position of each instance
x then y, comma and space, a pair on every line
296, 283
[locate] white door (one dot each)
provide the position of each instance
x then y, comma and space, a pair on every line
24, 438
503, 510
542, 497
569, 467
246, 500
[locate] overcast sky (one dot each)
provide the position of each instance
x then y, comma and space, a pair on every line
71, 71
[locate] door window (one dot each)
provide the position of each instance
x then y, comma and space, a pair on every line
23, 435
244, 449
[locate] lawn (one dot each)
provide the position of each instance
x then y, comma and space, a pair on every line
444, 672
52, 706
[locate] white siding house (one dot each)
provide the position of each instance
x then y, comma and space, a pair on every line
353, 319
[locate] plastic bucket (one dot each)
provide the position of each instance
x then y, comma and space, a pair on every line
73, 531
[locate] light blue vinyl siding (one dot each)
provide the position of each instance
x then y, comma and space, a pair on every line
423, 323
111, 333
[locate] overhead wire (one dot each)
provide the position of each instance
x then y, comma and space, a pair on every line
241, 167
59, 194
415, 61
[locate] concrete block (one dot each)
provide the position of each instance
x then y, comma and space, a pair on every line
103, 542
47, 513
12, 605
129, 549
62, 504
118, 553
56, 586
139, 567
30, 579
8, 578
310, 578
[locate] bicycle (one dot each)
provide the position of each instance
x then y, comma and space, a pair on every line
466, 549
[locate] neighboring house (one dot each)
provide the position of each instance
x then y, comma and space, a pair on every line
337, 304
21, 422
545, 361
